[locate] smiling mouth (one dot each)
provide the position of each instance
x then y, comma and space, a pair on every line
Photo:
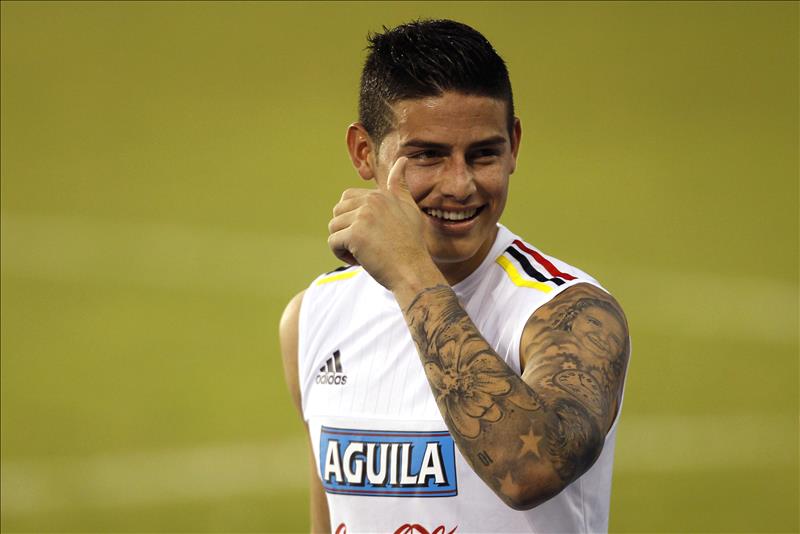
453, 216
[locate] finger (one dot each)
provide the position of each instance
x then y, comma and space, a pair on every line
354, 192
338, 243
347, 205
396, 183
342, 221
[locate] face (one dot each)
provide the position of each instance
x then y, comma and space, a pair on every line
460, 157
600, 330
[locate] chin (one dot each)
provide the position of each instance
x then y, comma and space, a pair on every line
455, 252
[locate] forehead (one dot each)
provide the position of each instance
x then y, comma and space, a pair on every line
451, 118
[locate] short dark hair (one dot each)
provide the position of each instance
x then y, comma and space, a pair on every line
426, 58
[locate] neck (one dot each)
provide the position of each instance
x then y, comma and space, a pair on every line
455, 272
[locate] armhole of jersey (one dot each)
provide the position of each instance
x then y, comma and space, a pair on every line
301, 348
304, 332
526, 314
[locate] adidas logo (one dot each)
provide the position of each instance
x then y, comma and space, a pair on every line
331, 373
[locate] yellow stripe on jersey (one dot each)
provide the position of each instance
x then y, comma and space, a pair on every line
518, 280
341, 276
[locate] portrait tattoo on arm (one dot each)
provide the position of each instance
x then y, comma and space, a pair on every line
553, 418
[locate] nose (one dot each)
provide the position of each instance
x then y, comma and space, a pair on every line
458, 180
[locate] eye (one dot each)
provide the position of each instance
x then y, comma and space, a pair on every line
426, 156
484, 155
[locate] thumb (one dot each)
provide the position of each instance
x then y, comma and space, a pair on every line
396, 183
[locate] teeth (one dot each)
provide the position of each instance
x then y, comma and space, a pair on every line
452, 215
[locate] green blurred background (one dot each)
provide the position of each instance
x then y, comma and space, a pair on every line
168, 171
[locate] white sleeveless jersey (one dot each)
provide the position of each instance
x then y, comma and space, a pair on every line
383, 452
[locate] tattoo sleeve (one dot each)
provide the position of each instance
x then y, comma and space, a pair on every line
526, 436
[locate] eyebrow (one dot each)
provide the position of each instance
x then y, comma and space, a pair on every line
421, 143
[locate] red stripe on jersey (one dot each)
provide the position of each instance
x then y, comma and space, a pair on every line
543, 262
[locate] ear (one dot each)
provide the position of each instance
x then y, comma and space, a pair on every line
515, 140
361, 150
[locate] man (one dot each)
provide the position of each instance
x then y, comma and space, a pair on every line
453, 378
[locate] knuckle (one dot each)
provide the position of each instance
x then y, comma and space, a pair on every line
365, 215
375, 200
340, 208
349, 193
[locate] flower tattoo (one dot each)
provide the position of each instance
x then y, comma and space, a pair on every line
472, 384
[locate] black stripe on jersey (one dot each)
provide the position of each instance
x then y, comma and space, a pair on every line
528, 268
340, 269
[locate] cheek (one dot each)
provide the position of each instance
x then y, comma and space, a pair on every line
420, 184
494, 186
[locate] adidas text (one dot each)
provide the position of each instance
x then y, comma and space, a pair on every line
331, 373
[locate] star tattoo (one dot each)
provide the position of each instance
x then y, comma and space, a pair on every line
507, 484
530, 443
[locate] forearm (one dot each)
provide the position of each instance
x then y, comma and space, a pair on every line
516, 441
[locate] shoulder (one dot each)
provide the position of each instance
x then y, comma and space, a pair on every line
586, 311
346, 272
580, 334
291, 316
527, 281
555, 282
527, 266
323, 293
288, 331
582, 298
322, 287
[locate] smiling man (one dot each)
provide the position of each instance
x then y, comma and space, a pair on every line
453, 377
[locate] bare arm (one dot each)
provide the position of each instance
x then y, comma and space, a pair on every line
320, 521
527, 437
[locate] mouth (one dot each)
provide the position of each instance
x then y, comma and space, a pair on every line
453, 218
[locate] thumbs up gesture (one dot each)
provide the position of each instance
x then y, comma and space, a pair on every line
396, 183
382, 230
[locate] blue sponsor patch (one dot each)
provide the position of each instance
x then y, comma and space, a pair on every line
387, 463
